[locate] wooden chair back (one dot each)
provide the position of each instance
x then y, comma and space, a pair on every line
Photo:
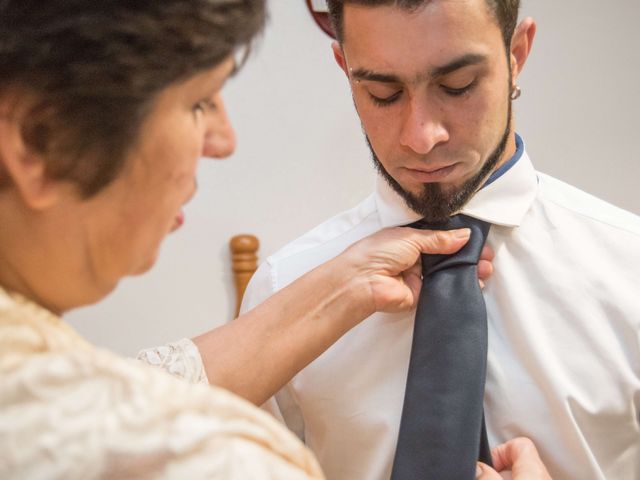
244, 262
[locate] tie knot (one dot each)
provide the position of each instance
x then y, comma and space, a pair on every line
467, 255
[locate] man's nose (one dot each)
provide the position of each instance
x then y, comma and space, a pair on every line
422, 128
220, 138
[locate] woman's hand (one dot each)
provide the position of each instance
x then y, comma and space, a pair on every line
518, 459
295, 325
389, 261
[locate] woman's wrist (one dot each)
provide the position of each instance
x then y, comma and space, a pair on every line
352, 286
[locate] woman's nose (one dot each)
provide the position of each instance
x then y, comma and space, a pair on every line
220, 138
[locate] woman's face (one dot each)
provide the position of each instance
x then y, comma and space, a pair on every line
123, 226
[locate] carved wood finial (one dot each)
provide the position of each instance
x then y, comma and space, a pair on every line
244, 262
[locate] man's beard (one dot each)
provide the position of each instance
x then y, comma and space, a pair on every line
436, 205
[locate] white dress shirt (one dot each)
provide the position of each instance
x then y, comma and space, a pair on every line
564, 334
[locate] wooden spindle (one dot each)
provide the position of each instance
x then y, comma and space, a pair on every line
244, 262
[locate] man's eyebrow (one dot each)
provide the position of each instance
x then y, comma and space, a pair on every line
364, 74
458, 63
441, 71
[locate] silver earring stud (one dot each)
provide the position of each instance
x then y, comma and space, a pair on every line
516, 92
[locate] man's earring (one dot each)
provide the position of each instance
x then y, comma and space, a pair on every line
516, 92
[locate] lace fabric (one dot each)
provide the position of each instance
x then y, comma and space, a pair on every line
181, 359
71, 411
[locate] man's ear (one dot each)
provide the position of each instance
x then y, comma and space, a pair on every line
521, 44
338, 54
24, 168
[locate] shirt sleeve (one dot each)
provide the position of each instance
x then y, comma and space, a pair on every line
282, 405
181, 359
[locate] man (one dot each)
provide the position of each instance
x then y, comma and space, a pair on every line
433, 82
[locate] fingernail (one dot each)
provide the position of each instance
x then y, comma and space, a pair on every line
462, 233
478, 471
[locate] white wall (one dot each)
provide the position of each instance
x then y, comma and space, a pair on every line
581, 101
301, 157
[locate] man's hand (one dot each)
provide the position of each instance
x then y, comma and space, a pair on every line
518, 459
390, 262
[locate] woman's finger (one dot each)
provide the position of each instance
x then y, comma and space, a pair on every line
485, 472
521, 457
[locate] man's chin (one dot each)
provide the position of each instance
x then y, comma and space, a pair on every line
432, 203
436, 201
442, 190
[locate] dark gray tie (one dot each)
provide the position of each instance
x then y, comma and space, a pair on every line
442, 430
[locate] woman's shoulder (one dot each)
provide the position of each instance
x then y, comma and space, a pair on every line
82, 412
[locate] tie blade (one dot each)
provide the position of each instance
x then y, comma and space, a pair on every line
442, 432
454, 461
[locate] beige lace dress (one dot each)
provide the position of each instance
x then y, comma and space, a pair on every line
69, 410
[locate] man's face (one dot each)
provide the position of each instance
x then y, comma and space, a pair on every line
432, 90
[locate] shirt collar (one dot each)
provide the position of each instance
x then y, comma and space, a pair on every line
504, 200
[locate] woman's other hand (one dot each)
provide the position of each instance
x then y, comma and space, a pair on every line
518, 459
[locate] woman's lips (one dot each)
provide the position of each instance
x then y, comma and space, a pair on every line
432, 175
179, 219
178, 222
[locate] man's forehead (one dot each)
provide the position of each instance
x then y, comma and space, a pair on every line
414, 6
357, 16
391, 38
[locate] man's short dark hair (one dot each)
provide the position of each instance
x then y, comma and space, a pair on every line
93, 69
504, 11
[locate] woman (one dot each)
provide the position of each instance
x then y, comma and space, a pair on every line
105, 108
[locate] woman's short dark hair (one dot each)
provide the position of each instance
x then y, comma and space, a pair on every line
504, 11
95, 67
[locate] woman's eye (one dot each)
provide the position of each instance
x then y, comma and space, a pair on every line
456, 92
385, 101
204, 106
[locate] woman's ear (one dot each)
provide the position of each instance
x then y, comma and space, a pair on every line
521, 44
24, 169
